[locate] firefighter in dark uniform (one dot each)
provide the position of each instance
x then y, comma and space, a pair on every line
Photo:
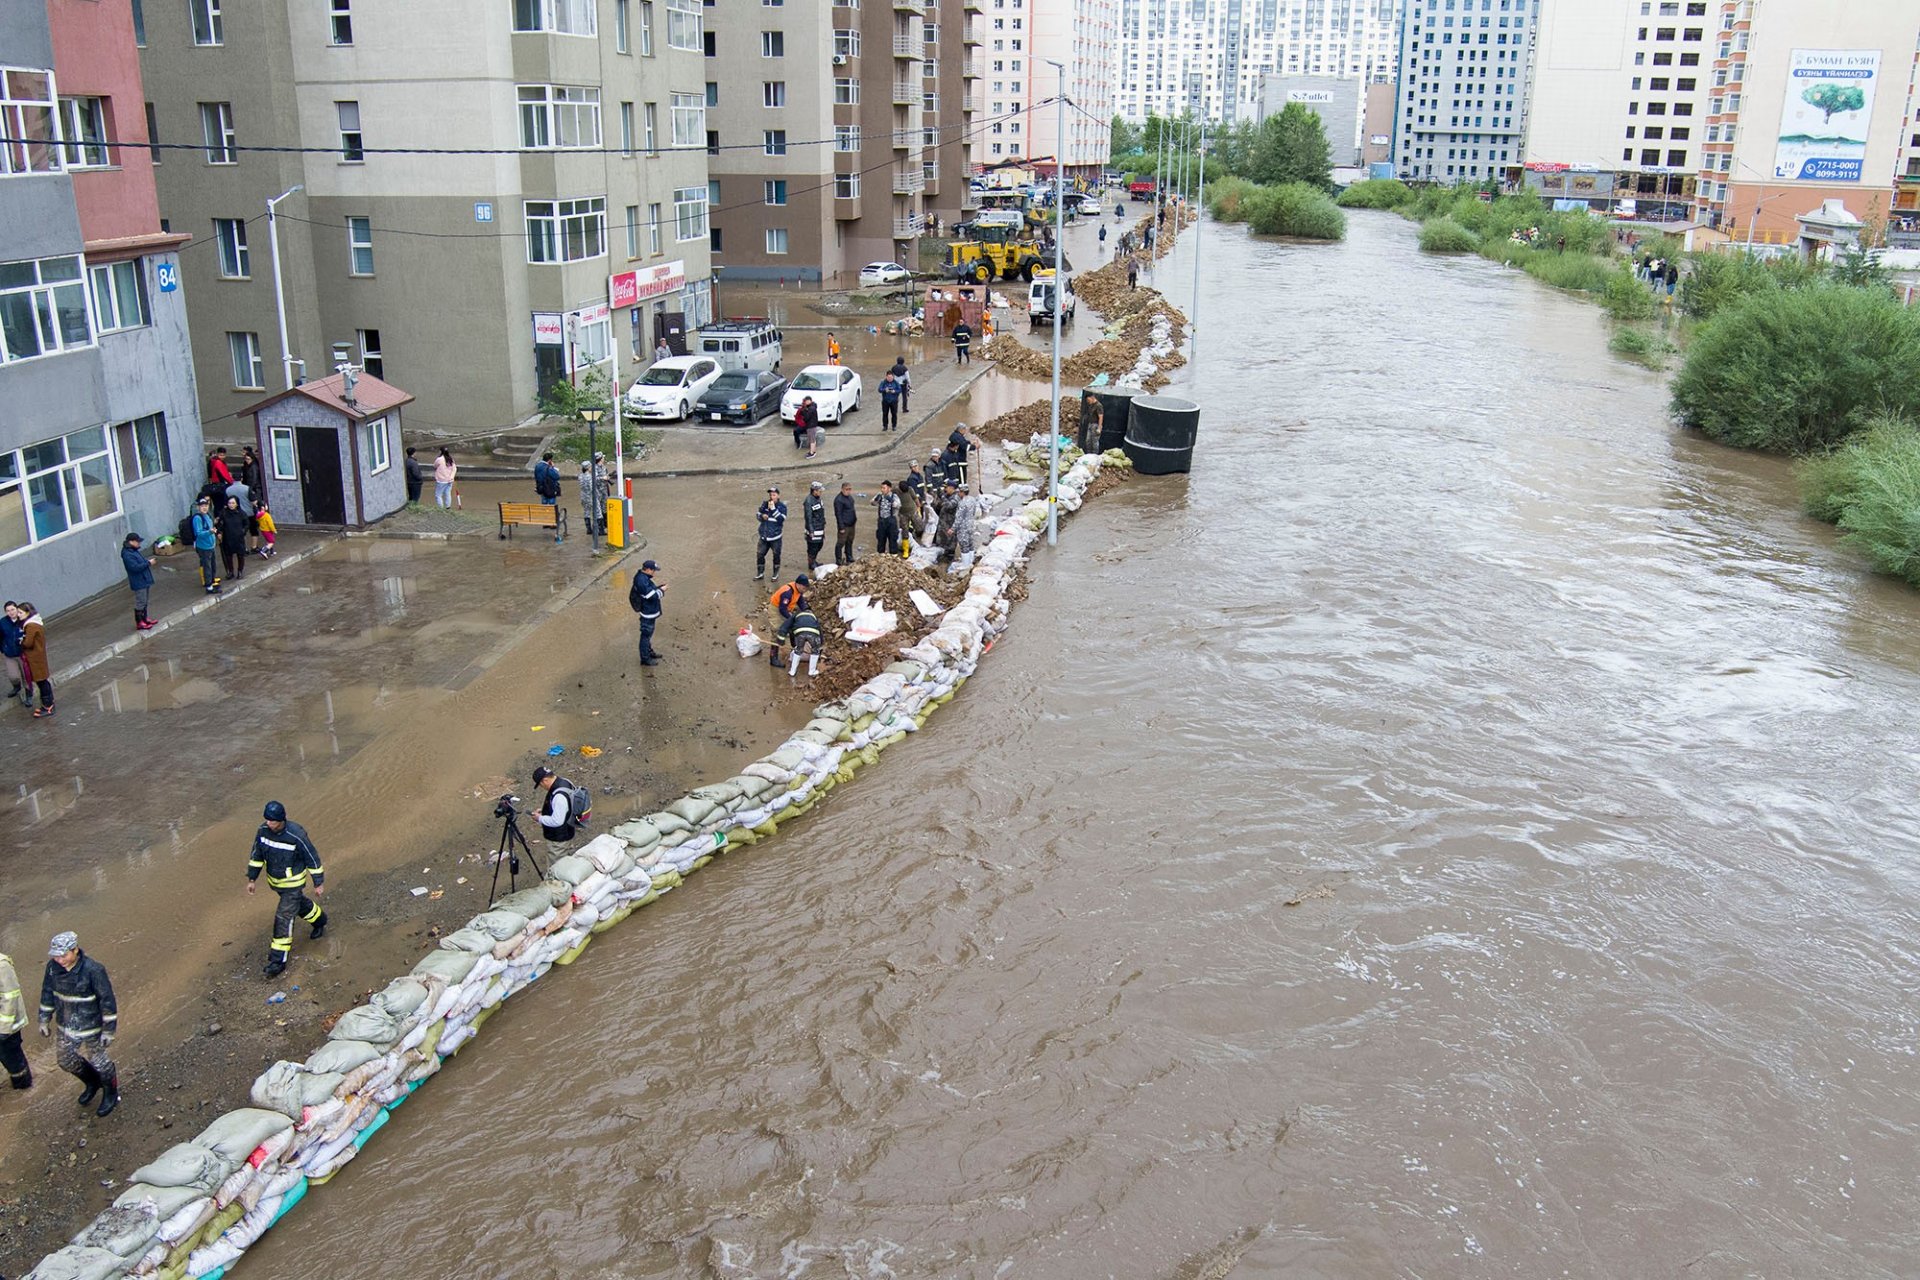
77, 998
283, 851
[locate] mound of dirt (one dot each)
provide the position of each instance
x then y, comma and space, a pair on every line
845, 666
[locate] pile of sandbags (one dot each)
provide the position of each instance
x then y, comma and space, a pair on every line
198, 1207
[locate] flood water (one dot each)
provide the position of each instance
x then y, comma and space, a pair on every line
1463, 829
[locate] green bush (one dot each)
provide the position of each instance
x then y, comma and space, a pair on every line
1227, 199
1640, 346
1444, 235
1870, 487
1290, 209
1580, 272
1375, 193
1797, 370
1716, 281
1625, 298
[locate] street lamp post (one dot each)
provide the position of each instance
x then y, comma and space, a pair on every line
1059, 291
279, 292
591, 416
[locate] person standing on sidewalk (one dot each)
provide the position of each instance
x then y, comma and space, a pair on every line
139, 580
886, 518
33, 657
962, 343
444, 474
233, 539
217, 469
644, 598
204, 533
11, 623
283, 851
890, 391
13, 1025
772, 516
813, 522
76, 997
900, 371
416, 477
845, 516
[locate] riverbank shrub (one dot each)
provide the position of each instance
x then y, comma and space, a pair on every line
1578, 272
1795, 371
1715, 281
1640, 346
1375, 193
1626, 297
1227, 199
1870, 487
1289, 209
1444, 235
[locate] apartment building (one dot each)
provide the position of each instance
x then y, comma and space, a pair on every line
837, 132
571, 231
1212, 56
1619, 105
1464, 73
1025, 39
1808, 103
101, 434
1337, 100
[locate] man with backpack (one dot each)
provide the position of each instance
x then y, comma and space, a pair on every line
203, 527
546, 484
644, 599
564, 810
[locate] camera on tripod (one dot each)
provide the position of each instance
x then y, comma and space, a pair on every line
512, 844
503, 807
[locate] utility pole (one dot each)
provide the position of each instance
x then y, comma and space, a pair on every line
1193, 320
279, 290
1059, 292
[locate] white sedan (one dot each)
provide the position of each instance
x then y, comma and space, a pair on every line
876, 274
835, 390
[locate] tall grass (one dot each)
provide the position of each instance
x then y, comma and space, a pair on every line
1289, 209
1716, 281
1870, 487
1625, 297
1640, 346
1444, 235
1375, 193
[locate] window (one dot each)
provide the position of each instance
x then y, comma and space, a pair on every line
654, 231
689, 120
713, 142
651, 118
370, 358
846, 44
236, 261
562, 17
379, 454
713, 93
690, 213
280, 445
846, 138
566, 230
593, 341
352, 151
633, 231
773, 142
43, 308
846, 91
83, 122
776, 240
216, 130
142, 448
558, 117
846, 186
153, 136
120, 296
773, 93
139, 25
775, 190
56, 485
207, 27
685, 25
340, 29
773, 44
646, 28
249, 374
710, 45
359, 246
620, 23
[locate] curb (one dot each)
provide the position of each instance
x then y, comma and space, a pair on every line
178, 616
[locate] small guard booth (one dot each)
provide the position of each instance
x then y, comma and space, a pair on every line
331, 450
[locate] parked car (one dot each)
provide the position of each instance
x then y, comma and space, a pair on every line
875, 274
671, 387
744, 396
743, 343
835, 390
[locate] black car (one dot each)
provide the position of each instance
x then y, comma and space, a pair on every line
743, 397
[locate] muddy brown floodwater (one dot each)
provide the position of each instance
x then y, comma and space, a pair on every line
1464, 828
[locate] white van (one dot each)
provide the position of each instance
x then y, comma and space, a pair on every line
749, 345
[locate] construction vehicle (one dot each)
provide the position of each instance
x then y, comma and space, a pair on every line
994, 251
1040, 300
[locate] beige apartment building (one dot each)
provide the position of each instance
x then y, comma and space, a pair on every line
837, 133
1083, 36
469, 279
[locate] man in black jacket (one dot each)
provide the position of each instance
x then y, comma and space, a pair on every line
644, 598
813, 517
283, 850
77, 997
845, 516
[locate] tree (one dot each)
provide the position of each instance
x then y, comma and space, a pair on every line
1232, 147
1292, 147
1123, 139
1832, 98
590, 389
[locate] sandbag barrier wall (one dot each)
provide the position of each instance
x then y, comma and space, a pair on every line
198, 1207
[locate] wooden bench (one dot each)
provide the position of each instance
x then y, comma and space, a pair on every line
537, 514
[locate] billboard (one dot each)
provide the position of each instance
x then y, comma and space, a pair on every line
628, 287
1823, 124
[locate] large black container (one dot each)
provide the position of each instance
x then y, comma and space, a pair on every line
1160, 434
1115, 403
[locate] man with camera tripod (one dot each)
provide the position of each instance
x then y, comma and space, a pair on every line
556, 814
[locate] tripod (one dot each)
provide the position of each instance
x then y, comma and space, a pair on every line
512, 844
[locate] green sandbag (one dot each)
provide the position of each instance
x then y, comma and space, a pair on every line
401, 997
788, 758
751, 788
79, 1262
719, 794
766, 828
499, 925
669, 825
185, 1165
369, 1023
235, 1134
907, 667
125, 1231
640, 834
450, 966
571, 869
832, 711
831, 730
692, 810
818, 738
469, 940
290, 1088
530, 902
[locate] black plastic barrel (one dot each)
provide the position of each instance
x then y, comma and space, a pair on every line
1115, 403
1160, 434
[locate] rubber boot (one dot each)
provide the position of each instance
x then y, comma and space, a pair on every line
319, 926
112, 1096
24, 1080
276, 965
90, 1078
773, 657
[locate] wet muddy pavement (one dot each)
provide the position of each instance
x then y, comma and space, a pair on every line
1463, 829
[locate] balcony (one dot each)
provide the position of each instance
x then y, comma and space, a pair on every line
966, 102
905, 94
974, 67
907, 184
910, 6
974, 6
906, 47
969, 202
971, 34
908, 227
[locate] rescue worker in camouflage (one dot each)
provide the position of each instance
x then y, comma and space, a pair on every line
13, 1025
283, 850
77, 997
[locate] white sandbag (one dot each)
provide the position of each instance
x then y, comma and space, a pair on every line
591, 887
369, 1023
125, 1231
79, 1262
185, 1164
570, 870
747, 642
603, 851
236, 1182
211, 1257
531, 902
185, 1221
235, 1134
499, 925
291, 1087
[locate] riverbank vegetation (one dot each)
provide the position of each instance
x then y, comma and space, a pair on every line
1288, 209
1870, 488
1444, 235
1375, 193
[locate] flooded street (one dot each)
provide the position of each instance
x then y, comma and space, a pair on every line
1464, 828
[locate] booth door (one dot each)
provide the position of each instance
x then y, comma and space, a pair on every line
320, 491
